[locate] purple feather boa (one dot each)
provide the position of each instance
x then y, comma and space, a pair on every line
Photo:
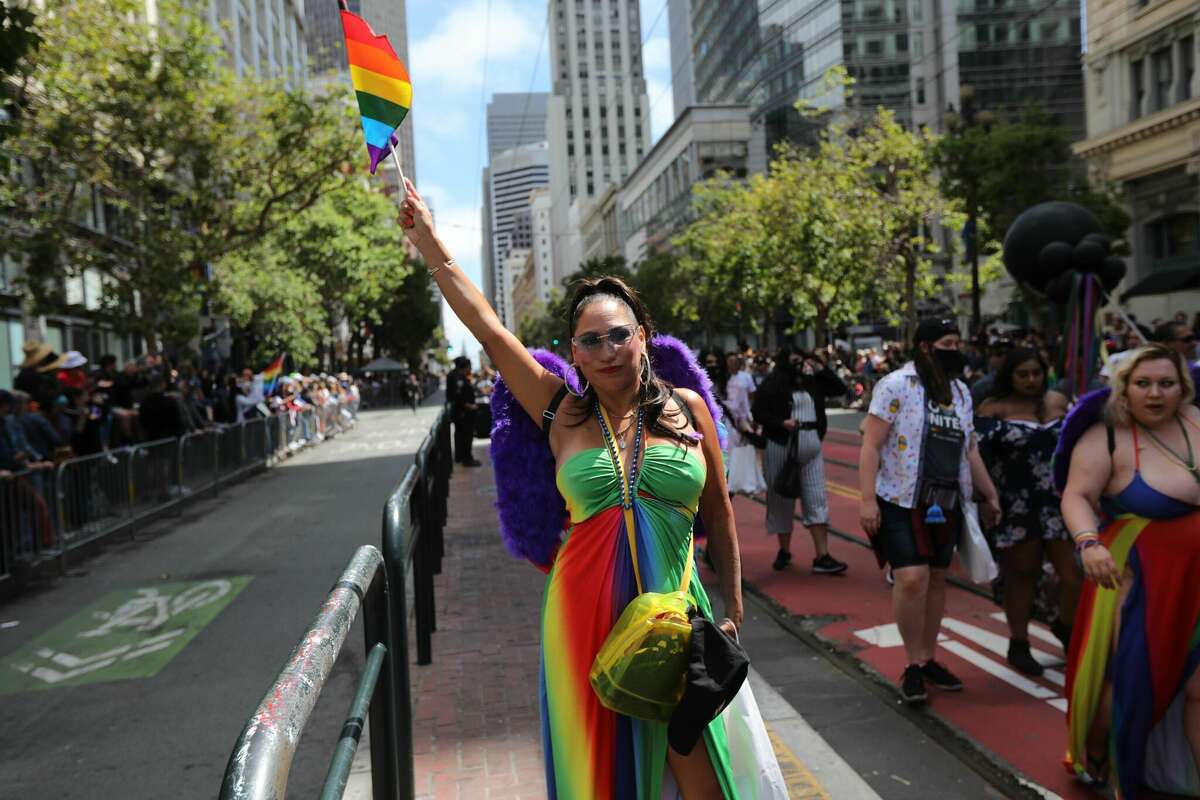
1088, 411
1084, 414
532, 513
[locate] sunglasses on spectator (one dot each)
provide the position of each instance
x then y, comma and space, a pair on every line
617, 337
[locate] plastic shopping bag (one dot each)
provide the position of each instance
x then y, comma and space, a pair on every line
973, 548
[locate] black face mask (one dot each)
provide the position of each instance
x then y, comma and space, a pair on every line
951, 362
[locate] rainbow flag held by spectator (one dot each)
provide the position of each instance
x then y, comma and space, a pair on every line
380, 82
270, 375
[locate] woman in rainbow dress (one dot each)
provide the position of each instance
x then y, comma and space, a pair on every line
1132, 684
625, 447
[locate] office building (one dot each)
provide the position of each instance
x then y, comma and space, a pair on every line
514, 119
543, 242
683, 72
513, 174
1143, 135
262, 36
598, 116
768, 56
1017, 52
327, 57
524, 293
910, 56
655, 203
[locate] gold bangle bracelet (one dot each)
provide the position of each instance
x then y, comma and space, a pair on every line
1085, 535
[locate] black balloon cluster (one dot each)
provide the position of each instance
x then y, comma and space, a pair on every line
1050, 243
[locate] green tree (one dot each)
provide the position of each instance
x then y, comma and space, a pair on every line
658, 280
19, 40
723, 261
187, 162
999, 167
545, 323
409, 324
900, 166
344, 253
828, 231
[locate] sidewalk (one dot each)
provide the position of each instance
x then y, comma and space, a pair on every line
477, 731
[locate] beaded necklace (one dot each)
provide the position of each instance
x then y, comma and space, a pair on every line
629, 490
1188, 463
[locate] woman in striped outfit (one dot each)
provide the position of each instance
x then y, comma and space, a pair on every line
791, 404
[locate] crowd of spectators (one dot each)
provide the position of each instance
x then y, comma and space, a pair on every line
63, 406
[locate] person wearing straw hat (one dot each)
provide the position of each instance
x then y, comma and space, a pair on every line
36, 376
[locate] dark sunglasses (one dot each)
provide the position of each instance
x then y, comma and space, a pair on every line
1191, 337
617, 337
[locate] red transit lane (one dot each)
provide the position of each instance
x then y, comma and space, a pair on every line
1020, 719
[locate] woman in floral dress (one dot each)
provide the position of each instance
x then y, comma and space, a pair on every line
1018, 428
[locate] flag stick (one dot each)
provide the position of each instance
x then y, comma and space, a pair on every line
396, 161
1121, 312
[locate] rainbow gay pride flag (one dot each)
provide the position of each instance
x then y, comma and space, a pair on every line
271, 374
381, 83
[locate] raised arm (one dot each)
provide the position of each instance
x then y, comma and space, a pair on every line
531, 384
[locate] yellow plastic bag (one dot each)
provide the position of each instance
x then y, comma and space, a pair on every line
641, 669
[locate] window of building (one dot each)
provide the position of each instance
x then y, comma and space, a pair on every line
1173, 237
920, 91
1187, 67
918, 45
1160, 63
1137, 89
901, 42
874, 47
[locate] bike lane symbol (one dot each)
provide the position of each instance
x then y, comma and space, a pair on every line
131, 633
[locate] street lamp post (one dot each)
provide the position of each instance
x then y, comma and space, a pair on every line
959, 123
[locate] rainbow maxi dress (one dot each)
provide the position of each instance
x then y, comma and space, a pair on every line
592, 752
1150, 662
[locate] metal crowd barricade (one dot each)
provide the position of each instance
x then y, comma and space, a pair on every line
199, 469
413, 520
262, 758
154, 477
46, 513
95, 494
256, 445
27, 530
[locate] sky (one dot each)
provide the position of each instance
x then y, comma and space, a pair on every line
457, 60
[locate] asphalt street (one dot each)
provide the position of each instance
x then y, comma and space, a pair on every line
271, 547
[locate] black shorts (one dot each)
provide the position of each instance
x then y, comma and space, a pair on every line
905, 541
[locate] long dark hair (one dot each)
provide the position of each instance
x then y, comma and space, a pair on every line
937, 385
653, 392
721, 378
1003, 387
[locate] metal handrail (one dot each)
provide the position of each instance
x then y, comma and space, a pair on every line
262, 758
413, 518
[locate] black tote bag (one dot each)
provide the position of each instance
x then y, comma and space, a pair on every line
789, 482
